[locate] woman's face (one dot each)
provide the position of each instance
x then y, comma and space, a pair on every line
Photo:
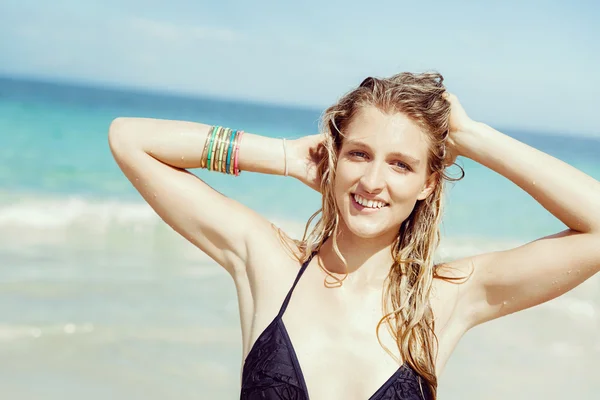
381, 173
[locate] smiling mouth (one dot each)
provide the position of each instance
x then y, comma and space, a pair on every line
363, 204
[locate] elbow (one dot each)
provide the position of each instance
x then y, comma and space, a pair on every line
117, 133
117, 126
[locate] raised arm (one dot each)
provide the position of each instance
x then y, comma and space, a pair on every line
155, 155
504, 282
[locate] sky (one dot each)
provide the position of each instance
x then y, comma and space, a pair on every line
531, 65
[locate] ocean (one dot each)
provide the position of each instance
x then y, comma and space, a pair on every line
100, 299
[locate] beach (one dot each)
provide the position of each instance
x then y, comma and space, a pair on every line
99, 298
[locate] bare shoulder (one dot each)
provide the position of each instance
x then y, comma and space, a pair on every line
273, 256
271, 265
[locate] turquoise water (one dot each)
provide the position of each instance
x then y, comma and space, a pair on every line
55, 148
98, 297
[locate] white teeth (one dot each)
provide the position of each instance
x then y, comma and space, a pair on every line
368, 203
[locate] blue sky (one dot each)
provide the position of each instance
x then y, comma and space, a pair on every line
531, 65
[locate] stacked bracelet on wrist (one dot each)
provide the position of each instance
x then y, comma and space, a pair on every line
221, 150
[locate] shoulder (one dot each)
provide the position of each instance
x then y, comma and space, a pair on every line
268, 271
272, 253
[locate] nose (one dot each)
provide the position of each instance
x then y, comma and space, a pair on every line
373, 179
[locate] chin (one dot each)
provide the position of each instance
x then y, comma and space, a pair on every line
359, 227
367, 232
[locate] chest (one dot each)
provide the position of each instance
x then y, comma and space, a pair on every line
333, 334
332, 341
341, 361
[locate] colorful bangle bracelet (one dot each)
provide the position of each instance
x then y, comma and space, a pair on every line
218, 149
221, 150
229, 151
223, 155
222, 133
237, 149
211, 164
210, 147
205, 149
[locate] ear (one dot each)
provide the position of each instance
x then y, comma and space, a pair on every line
428, 187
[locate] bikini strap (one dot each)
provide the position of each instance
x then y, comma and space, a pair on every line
289, 295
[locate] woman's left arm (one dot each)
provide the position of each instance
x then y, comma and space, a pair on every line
507, 281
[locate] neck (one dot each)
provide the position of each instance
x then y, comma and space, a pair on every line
368, 261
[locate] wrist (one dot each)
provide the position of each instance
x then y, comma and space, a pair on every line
467, 138
293, 158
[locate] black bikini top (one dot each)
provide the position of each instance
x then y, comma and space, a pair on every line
272, 372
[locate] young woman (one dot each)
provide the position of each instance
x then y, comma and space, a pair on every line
384, 317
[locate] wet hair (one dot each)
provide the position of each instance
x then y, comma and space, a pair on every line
406, 306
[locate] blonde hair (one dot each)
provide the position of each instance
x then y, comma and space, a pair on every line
406, 307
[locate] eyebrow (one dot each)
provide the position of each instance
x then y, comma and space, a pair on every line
414, 161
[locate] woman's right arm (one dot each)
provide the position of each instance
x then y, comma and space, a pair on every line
154, 155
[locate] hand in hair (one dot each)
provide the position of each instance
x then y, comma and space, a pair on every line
305, 155
460, 125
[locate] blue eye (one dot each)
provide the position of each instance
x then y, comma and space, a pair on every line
402, 165
360, 154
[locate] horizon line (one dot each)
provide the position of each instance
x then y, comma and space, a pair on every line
145, 90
